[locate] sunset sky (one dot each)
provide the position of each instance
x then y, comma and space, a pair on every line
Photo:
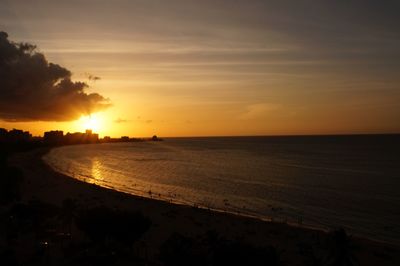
208, 68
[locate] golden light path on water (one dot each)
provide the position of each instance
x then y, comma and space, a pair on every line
96, 171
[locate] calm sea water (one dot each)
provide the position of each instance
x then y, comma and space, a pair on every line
331, 181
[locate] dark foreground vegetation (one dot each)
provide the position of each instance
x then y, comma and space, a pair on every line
211, 249
36, 233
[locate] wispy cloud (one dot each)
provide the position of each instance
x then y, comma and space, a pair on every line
258, 110
91, 77
120, 120
138, 119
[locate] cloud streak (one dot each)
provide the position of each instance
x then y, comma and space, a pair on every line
120, 120
33, 89
257, 110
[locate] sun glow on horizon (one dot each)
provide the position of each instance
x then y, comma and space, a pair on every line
93, 122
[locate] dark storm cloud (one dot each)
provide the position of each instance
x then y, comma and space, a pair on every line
32, 89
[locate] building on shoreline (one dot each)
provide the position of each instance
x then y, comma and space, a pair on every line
14, 135
53, 137
78, 137
57, 137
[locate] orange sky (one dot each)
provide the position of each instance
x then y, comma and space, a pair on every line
201, 68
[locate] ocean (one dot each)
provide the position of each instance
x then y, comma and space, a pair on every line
351, 182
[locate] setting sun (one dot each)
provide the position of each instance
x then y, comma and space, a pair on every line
93, 122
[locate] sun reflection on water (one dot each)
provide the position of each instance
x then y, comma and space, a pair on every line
96, 171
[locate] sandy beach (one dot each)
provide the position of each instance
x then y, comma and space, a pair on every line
291, 245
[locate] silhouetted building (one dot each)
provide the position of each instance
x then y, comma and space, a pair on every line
91, 137
78, 137
18, 135
124, 138
155, 138
54, 137
94, 138
14, 135
3, 133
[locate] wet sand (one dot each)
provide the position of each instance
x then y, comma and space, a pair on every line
43, 184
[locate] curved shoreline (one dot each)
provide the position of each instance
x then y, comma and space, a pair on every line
143, 194
173, 201
43, 183
83, 171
